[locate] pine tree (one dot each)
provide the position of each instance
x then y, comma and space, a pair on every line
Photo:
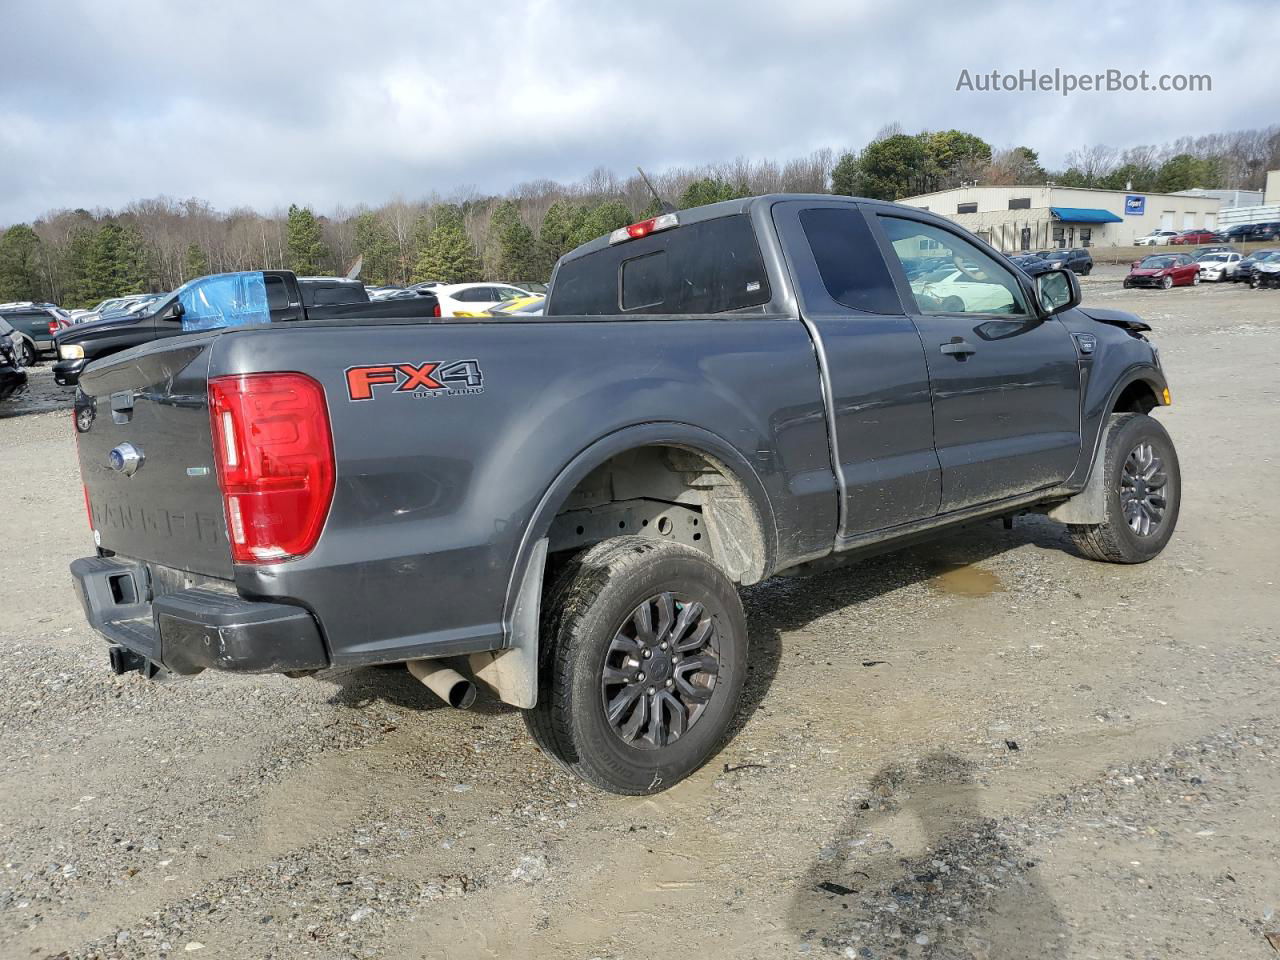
20, 277
711, 190
447, 254
196, 263
846, 176
373, 242
308, 254
602, 219
559, 226
518, 255
134, 261
75, 268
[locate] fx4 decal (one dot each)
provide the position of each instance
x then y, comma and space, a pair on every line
435, 378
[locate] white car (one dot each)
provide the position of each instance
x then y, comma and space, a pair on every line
1157, 238
1218, 266
468, 299
945, 287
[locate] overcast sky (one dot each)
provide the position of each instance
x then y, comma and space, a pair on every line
327, 103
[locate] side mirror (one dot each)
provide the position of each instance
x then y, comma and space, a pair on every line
1057, 290
175, 312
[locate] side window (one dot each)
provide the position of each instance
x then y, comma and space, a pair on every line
849, 262
277, 294
509, 293
224, 300
968, 281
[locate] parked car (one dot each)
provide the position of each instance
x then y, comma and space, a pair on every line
226, 299
1266, 272
13, 379
533, 286
530, 306
1031, 264
1077, 259
1164, 270
1216, 267
1156, 238
473, 299
571, 505
1247, 232
33, 321
1214, 248
1195, 236
1244, 269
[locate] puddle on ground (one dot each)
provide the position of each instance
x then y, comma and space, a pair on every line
966, 580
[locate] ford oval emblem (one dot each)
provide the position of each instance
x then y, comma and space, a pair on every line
125, 459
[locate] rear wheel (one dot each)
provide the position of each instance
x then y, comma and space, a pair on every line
1143, 493
643, 656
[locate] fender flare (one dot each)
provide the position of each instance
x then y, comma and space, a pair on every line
1089, 505
512, 671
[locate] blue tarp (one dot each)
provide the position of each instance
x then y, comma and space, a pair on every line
1084, 215
224, 300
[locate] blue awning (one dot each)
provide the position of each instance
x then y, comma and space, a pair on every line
1084, 215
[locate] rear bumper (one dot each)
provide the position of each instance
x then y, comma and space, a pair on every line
66, 373
195, 629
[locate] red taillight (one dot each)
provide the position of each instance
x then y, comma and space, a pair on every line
274, 454
435, 312
53, 326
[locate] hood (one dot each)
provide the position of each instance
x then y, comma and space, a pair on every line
1147, 271
88, 328
1116, 318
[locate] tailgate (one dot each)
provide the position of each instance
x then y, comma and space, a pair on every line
146, 456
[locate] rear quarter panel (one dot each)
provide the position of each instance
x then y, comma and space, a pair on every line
434, 493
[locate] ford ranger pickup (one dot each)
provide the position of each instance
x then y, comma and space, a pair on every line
561, 508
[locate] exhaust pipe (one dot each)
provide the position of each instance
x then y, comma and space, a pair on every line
446, 683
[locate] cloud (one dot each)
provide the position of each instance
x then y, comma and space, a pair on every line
334, 103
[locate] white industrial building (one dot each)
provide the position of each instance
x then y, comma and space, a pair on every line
1046, 216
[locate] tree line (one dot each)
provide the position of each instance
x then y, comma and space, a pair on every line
78, 257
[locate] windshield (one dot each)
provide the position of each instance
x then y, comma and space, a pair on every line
1213, 256
1157, 263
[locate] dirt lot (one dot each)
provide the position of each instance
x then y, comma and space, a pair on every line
986, 748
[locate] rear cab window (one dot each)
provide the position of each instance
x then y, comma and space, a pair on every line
709, 266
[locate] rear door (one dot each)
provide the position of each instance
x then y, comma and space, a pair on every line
878, 380
1005, 383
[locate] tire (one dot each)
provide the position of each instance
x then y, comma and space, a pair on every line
29, 356
1195, 280
591, 619
1117, 540
1166, 283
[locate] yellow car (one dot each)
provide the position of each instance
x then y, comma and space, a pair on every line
518, 305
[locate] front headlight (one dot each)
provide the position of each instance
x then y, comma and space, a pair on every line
71, 351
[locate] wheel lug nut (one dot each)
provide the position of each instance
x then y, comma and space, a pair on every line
648, 654
640, 677
653, 692
664, 644
670, 682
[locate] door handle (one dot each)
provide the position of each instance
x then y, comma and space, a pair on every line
958, 347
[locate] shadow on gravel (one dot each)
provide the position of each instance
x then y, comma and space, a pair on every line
777, 606
40, 396
971, 894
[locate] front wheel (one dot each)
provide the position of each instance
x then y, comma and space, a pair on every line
1195, 279
1166, 283
29, 356
1143, 493
642, 660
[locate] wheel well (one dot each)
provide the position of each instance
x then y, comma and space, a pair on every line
667, 493
1137, 397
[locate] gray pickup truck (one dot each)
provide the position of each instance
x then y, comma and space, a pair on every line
562, 507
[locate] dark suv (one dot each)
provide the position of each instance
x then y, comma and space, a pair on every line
32, 321
1254, 231
1075, 259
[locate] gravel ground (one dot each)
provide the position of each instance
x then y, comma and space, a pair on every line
984, 748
